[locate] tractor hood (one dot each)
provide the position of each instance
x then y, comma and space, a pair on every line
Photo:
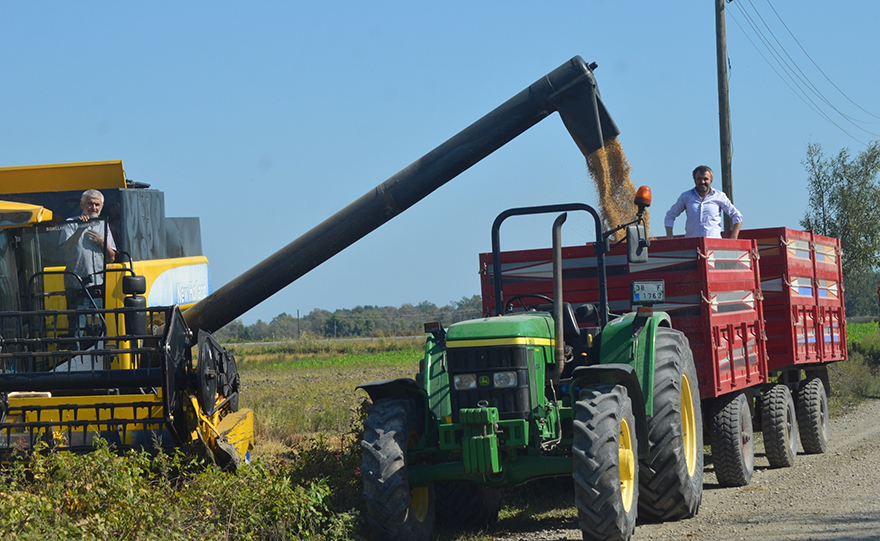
521, 329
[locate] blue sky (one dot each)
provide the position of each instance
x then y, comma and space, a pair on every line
264, 119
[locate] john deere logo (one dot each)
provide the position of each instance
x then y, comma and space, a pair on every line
484, 381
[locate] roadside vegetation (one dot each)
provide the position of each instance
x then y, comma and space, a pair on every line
303, 482
859, 377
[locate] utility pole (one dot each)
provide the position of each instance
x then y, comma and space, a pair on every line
723, 105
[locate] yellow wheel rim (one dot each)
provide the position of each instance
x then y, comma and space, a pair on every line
688, 425
627, 465
419, 497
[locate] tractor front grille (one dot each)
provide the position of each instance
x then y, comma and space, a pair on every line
513, 402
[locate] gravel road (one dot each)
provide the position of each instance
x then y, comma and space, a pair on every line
835, 495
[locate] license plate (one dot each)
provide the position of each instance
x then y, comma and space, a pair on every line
648, 292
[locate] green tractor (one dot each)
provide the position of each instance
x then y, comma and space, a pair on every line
541, 389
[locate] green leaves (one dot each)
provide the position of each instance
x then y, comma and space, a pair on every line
102, 495
844, 201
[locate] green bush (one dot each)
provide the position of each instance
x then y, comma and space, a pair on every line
102, 495
868, 346
856, 331
859, 377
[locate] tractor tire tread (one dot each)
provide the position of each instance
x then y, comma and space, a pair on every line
666, 490
386, 485
467, 505
596, 472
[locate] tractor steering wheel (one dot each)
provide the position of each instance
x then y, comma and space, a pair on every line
508, 308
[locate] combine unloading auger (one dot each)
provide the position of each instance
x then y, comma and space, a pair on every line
569, 90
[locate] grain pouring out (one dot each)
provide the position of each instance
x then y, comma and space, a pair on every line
610, 171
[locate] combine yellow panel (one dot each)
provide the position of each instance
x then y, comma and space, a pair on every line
180, 280
62, 176
14, 214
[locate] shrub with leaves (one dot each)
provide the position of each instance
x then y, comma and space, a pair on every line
104, 495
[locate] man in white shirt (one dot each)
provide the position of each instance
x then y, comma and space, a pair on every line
703, 206
86, 252
85, 249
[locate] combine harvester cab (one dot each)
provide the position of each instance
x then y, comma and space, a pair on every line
541, 387
107, 355
763, 315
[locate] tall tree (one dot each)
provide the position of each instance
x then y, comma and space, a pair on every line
844, 203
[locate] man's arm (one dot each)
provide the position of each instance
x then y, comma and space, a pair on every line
734, 234
736, 216
674, 211
111, 246
110, 254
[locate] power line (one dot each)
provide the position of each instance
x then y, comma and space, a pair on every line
817, 65
805, 79
807, 101
800, 83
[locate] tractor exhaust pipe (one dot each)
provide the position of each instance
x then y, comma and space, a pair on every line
557, 297
569, 89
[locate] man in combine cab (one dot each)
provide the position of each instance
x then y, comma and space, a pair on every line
703, 206
86, 251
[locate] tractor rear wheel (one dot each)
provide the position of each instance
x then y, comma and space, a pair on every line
733, 443
812, 416
779, 425
605, 472
467, 505
671, 477
393, 510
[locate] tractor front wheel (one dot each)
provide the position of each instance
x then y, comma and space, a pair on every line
467, 505
812, 416
779, 426
733, 443
671, 477
605, 450
394, 511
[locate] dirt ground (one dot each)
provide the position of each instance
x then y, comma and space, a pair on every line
835, 495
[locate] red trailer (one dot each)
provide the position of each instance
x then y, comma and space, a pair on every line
802, 281
766, 307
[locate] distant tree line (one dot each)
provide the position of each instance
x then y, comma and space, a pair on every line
360, 321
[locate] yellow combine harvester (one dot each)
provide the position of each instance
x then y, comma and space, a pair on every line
107, 353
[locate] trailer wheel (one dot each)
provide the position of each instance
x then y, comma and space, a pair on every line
671, 477
733, 445
812, 416
605, 450
467, 505
393, 510
779, 425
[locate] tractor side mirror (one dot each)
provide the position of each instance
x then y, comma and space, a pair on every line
637, 244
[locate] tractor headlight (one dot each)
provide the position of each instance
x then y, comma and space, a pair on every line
504, 380
464, 382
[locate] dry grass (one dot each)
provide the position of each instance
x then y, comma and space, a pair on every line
296, 396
